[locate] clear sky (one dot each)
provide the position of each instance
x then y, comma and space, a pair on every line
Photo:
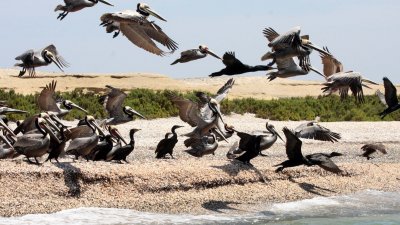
362, 34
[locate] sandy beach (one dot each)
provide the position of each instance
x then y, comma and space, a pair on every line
211, 184
245, 86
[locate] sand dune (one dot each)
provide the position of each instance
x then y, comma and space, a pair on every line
245, 86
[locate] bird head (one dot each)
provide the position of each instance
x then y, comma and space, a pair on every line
70, 105
145, 10
204, 49
51, 58
271, 128
131, 112
214, 106
115, 133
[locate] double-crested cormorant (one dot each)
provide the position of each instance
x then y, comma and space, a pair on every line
389, 99
121, 153
373, 149
166, 145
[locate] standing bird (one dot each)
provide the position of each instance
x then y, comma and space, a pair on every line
296, 158
373, 149
235, 66
120, 153
76, 5
194, 54
105, 146
35, 144
389, 99
32, 59
57, 147
338, 80
312, 130
118, 114
141, 32
47, 102
166, 145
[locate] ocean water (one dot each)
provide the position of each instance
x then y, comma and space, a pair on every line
363, 208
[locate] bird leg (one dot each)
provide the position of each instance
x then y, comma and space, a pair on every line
272, 63
37, 162
116, 34
22, 72
172, 157
279, 169
125, 160
262, 154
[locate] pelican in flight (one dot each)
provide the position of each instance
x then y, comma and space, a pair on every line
390, 99
139, 30
373, 149
32, 59
338, 80
118, 114
47, 102
312, 130
76, 5
233, 66
296, 158
194, 54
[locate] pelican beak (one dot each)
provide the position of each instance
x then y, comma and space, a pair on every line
78, 107
7, 128
135, 113
316, 48
57, 120
213, 54
52, 124
272, 130
216, 110
5, 140
101, 132
119, 136
50, 132
105, 2
218, 131
5, 110
52, 58
154, 13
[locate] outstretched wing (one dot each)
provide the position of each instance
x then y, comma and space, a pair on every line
26, 55
51, 48
189, 111
317, 132
229, 59
224, 90
330, 63
390, 93
324, 162
155, 32
245, 140
47, 100
292, 37
293, 145
112, 102
374, 147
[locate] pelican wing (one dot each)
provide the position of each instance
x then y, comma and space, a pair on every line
155, 32
324, 162
270, 34
126, 16
224, 90
292, 37
47, 100
229, 59
137, 35
293, 145
390, 93
189, 111
26, 55
286, 63
330, 63
374, 147
112, 102
51, 48
78, 132
317, 132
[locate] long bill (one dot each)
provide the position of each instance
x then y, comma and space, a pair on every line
6, 141
7, 128
136, 113
219, 132
50, 132
78, 107
155, 14
213, 54
119, 136
105, 2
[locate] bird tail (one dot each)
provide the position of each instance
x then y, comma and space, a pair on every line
175, 62
59, 7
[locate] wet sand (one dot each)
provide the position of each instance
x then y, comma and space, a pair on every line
211, 184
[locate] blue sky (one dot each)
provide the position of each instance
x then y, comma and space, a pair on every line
361, 34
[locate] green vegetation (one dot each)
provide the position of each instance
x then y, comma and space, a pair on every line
155, 104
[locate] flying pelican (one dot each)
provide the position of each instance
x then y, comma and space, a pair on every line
84, 138
112, 102
296, 158
338, 80
166, 145
289, 45
35, 145
235, 66
194, 54
32, 59
390, 99
120, 153
47, 102
141, 32
312, 130
76, 5
373, 149
267, 140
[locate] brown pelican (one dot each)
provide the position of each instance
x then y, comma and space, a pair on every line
166, 145
32, 59
312, 130
338, 80
296, 158
390, 99
267, 140
141, 32
47, 102
120, 153
6, 110
204, 146
33, 144
289, 45
373, 149
194, 54
84, 138
76, 5
6, 149
233, 66
112, 102
29, 124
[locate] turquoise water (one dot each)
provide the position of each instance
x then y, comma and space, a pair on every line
364, 208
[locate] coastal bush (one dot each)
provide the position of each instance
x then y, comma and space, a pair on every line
155, 104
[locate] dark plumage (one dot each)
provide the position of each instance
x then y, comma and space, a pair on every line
56, 147
371, 149
102, 148
122, 152
166, 145
234, 66
389, 99
251, 147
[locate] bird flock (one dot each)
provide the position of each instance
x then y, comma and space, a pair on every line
99, 140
